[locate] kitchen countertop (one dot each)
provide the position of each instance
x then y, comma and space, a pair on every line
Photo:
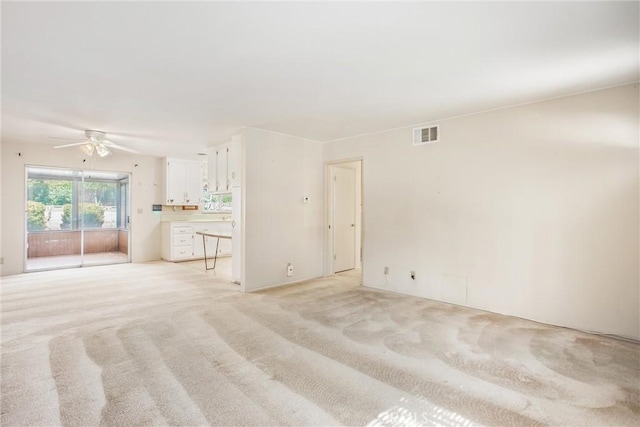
198, 220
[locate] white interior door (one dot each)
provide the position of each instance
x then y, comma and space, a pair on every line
344, 219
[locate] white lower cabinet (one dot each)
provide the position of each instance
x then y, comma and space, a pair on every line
224, 246
177, 242
181, 243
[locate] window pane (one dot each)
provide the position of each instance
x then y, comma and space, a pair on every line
123, 208
100, 204
46, 201
216, 202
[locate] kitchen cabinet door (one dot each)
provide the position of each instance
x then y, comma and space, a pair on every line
183, 182
235, 164
177, 241
224, 249
193, 184
222, 168
214, 227
212, 169
198, 246
175, 181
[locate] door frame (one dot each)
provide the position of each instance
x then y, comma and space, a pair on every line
329, 210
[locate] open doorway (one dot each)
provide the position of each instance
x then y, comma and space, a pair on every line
76, 218
343, 251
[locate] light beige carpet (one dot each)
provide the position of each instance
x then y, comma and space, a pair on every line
168, 344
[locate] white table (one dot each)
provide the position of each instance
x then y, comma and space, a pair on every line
204, 243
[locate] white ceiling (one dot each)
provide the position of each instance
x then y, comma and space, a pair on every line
177, 77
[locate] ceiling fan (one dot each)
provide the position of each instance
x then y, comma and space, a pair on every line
98, 143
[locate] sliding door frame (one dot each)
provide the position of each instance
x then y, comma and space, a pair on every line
78, 186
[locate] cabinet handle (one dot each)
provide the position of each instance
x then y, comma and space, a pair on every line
233, 224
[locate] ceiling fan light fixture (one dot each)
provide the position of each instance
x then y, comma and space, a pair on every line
102, 151
97, 142
88, 148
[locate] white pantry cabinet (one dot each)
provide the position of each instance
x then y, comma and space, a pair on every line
183, 181
181, 243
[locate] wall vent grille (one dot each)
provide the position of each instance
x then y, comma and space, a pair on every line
426, 135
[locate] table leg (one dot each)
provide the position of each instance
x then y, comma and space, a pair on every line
215, 258
204, 245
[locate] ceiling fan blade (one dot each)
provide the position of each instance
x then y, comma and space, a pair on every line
75, 144
62, 137
119, 147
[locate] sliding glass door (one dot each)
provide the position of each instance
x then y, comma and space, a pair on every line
76, 218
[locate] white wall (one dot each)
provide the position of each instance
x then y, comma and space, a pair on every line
278, 227
530, 211
1, 204
146, 189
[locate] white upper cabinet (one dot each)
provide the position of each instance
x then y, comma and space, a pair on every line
217, 168
193, 187
224, 166
175, 173
212, 169
183, 182
235, 161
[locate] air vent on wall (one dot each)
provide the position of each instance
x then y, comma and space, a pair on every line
425, 135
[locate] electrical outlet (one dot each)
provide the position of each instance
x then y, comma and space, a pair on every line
386, 270
289, 270
413, 275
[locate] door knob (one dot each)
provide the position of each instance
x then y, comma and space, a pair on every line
353, 225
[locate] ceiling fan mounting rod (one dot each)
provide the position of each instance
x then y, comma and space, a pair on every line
95, 135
